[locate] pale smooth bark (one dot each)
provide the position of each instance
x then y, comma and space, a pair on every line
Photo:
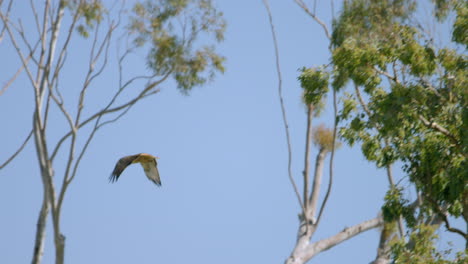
317, 183
305, 250
308, 143
40, 231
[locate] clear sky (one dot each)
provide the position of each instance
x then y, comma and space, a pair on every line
225, 195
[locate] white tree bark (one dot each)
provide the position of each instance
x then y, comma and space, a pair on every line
40, 231
304, 250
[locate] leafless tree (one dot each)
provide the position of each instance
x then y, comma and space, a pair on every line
43, 51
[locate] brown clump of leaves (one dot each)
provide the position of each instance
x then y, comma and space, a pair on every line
323, 138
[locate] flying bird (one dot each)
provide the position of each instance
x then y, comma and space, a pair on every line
147, 161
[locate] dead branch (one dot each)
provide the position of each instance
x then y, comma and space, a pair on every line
307, 251
2, 32
18, 50
306, 174
283, 110
107, 110
332, 155
314, 195
13, 78
12, 157
304, 7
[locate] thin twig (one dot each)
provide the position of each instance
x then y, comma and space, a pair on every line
13, 78
18, 50
97, 126
108, 110
36, 16
283, 110
304, 7
17, 151
2, 32
442, 214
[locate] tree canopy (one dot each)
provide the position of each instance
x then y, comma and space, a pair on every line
409, 103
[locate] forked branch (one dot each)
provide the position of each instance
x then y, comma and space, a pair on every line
312, 14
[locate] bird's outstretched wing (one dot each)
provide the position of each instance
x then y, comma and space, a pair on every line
121, 165
151, 170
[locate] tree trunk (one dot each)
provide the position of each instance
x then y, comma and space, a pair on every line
40, 231
59, 248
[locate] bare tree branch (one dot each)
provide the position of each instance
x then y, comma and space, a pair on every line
439, 128
346, 234
43, 52
43, 64
107, 110
36, 16
283, 110
12, 157
2, 32
330, 179
361, 101
63, 50
310, 250
314, 195
72, 165
306, 173
18, 51
304, 7
13, 78
97, 126
442, 214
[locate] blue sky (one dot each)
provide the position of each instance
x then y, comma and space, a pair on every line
225, 195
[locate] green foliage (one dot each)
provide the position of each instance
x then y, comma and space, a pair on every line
460, 27
314, 82
89, 11
422, 249
396, 205
172, 28
442, 8
368, 20
416, 108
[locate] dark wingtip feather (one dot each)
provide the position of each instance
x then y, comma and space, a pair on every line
113, 177
157, 183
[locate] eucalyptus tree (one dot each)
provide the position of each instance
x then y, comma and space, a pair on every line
409, 104
167, 31
403, 98
315, 83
